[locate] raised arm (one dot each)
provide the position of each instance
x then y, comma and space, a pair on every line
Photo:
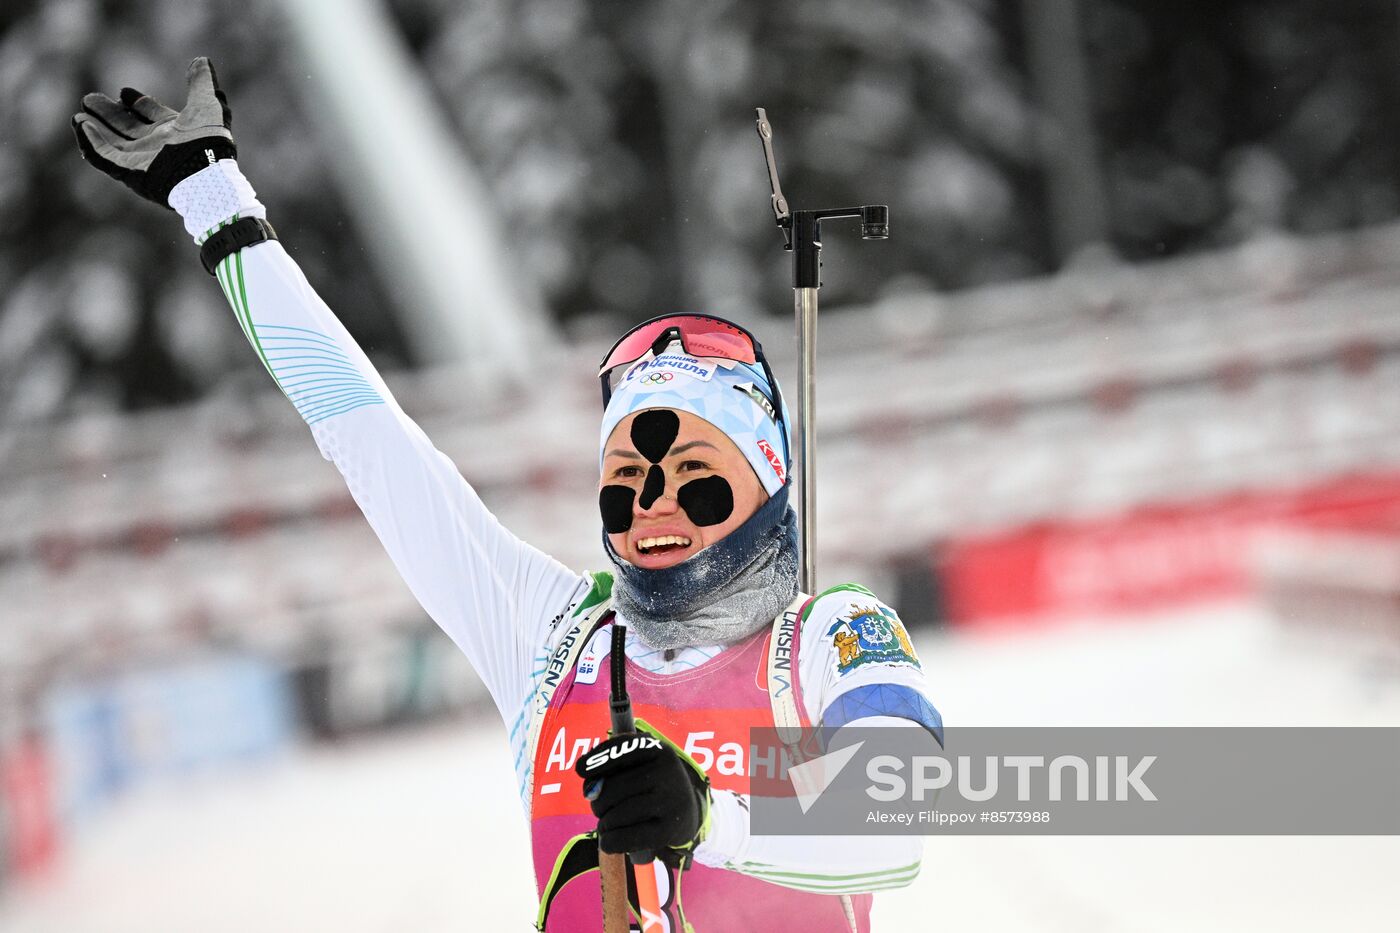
492, 593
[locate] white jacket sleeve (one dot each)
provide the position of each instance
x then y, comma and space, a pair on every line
491, 593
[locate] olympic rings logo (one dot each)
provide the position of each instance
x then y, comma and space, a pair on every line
656, 379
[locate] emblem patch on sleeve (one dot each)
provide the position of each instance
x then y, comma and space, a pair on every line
870, 635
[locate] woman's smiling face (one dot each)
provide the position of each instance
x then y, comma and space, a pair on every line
666, 522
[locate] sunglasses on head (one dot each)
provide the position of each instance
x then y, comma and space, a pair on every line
700, 335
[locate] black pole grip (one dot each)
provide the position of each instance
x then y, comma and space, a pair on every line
619, 702
806, 250
620, 705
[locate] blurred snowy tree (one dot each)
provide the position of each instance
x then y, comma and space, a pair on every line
100, 292
619, 142
620, 138
1221, 120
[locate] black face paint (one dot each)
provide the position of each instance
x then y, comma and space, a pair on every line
653, 487
653, 433
707, 501
615, 502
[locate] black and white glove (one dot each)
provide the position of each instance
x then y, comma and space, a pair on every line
151, 148
648, 796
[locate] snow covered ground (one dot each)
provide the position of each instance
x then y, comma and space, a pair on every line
420, 831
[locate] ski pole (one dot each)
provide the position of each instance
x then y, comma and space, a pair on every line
613, 866
802, 235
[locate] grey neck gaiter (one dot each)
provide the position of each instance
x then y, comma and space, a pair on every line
723, 594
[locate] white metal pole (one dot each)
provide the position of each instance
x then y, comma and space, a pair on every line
805, 305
